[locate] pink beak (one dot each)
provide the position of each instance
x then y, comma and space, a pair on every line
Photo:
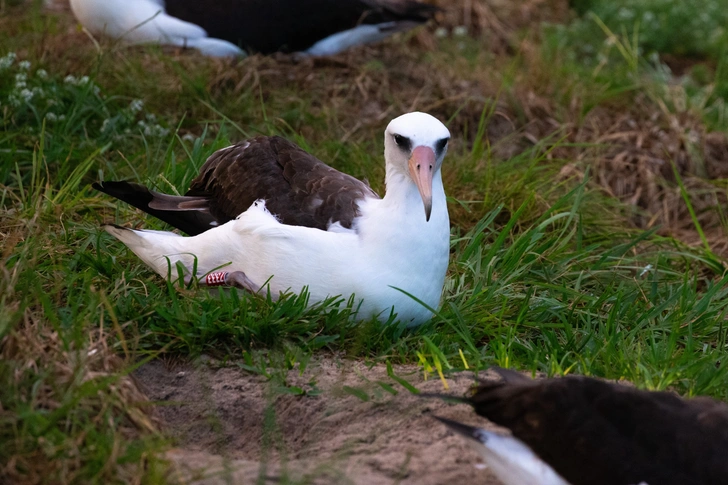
421, 167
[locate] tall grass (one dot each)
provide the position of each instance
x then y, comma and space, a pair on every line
546, 272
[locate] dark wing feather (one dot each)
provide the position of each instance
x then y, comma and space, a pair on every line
188, 214
297, 187
599, 433
268, 26
461, 428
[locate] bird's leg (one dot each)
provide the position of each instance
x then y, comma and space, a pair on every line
238, 279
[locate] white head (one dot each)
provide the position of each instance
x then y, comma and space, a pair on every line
415, 145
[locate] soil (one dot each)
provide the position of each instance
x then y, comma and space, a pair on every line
234, 426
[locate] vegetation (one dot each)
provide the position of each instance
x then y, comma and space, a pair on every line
549, 271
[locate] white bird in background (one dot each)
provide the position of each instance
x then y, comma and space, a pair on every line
145, 21
231, 27
265, 212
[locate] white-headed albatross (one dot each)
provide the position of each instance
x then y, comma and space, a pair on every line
231, 27
264, 210
583, 431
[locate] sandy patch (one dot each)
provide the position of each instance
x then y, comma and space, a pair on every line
234, 426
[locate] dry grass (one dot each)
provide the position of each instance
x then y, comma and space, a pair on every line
64, 384
67, 399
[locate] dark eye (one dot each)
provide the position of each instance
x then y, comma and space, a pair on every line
403, 142
441, 144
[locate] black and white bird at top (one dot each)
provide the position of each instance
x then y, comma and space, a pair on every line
225, 28
584, 431
265, 212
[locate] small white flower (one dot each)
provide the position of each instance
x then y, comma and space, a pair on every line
24, 65
625, 13
189, 137
441, 32
83, 80
41, 73
151, 117
21, 76
70, 80
61, 117
7, 61
136, 105
460, 31
646, 270
20, 85
105, 124
51, 116
14, 100
26, 94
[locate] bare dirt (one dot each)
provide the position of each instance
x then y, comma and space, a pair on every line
234, 426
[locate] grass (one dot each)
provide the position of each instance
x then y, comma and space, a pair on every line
664, 37
548, 272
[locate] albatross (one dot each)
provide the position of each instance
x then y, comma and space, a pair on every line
578, 430
227, 28
264, 215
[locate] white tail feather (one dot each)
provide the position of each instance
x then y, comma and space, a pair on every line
160, 250
211, 47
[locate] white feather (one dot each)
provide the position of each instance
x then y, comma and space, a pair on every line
359, 35
513, 462
145, 21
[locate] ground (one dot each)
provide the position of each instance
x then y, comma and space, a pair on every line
223, 417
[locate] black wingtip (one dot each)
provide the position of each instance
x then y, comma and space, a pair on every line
460, 428
131, 193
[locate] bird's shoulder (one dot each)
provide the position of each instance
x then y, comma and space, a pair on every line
298, 188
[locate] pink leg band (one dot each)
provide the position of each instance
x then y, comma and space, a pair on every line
216, 279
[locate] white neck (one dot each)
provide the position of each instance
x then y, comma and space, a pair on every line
403, 198
411, 253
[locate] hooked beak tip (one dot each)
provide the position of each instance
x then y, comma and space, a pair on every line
421, 165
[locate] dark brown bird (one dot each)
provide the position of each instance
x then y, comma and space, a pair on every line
593, 432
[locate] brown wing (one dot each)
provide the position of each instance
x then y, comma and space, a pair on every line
297, 187
599, 433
